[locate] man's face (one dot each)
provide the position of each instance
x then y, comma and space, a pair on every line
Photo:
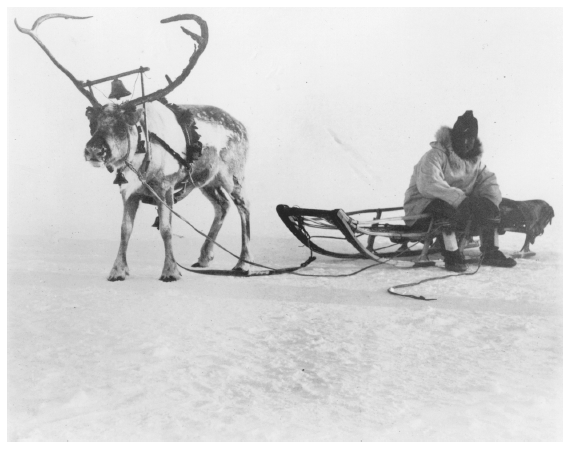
463, 145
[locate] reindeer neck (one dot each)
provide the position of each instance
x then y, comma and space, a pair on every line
165, 148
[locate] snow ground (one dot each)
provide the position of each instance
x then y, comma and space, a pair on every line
279, 358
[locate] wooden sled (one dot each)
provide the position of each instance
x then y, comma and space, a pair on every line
360, 229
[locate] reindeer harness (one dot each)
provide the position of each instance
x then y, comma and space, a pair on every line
187, 124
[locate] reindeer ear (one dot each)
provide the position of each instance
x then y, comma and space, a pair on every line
131, 114
92, 114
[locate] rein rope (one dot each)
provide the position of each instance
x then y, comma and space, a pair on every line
392, 289
271, 271
268, 271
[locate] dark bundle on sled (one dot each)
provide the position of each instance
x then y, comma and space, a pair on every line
361, 228
530, 217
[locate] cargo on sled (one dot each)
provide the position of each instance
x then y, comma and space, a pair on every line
337, 233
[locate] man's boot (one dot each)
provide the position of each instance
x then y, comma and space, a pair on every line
491, 255
453, 260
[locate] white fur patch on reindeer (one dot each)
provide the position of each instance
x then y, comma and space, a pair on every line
213, 134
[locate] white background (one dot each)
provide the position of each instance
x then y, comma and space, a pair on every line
340, 104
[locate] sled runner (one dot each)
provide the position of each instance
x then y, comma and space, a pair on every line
346, 232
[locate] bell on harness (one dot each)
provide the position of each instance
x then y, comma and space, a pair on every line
141, 149
120, 178
118, 89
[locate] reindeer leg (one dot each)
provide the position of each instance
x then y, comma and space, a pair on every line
120, 268
242, 205
221, 205
170, 271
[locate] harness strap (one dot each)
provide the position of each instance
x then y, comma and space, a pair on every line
185, 119
170, 151
140, 143
120, 178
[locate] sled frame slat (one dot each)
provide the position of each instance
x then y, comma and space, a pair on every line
340, 219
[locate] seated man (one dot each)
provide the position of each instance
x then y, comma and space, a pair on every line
450, 182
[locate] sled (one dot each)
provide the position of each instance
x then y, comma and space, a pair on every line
353, 235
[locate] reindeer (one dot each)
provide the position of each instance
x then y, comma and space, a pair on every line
115, 133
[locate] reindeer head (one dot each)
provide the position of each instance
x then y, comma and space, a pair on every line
112, 126
113, 134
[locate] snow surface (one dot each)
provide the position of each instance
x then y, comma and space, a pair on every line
279, 358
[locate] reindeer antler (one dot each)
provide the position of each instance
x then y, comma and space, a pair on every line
32, 33
201, 41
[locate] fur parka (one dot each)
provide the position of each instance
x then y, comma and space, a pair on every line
442, 174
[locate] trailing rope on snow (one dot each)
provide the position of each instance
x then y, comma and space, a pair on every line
423, 298
462, 245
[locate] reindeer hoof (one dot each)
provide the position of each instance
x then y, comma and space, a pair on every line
116, 278
203, 262
118, 274
168, 278
240, 270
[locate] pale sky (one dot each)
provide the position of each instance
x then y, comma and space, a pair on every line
340, 104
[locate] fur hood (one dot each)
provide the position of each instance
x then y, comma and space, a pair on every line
443, 141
